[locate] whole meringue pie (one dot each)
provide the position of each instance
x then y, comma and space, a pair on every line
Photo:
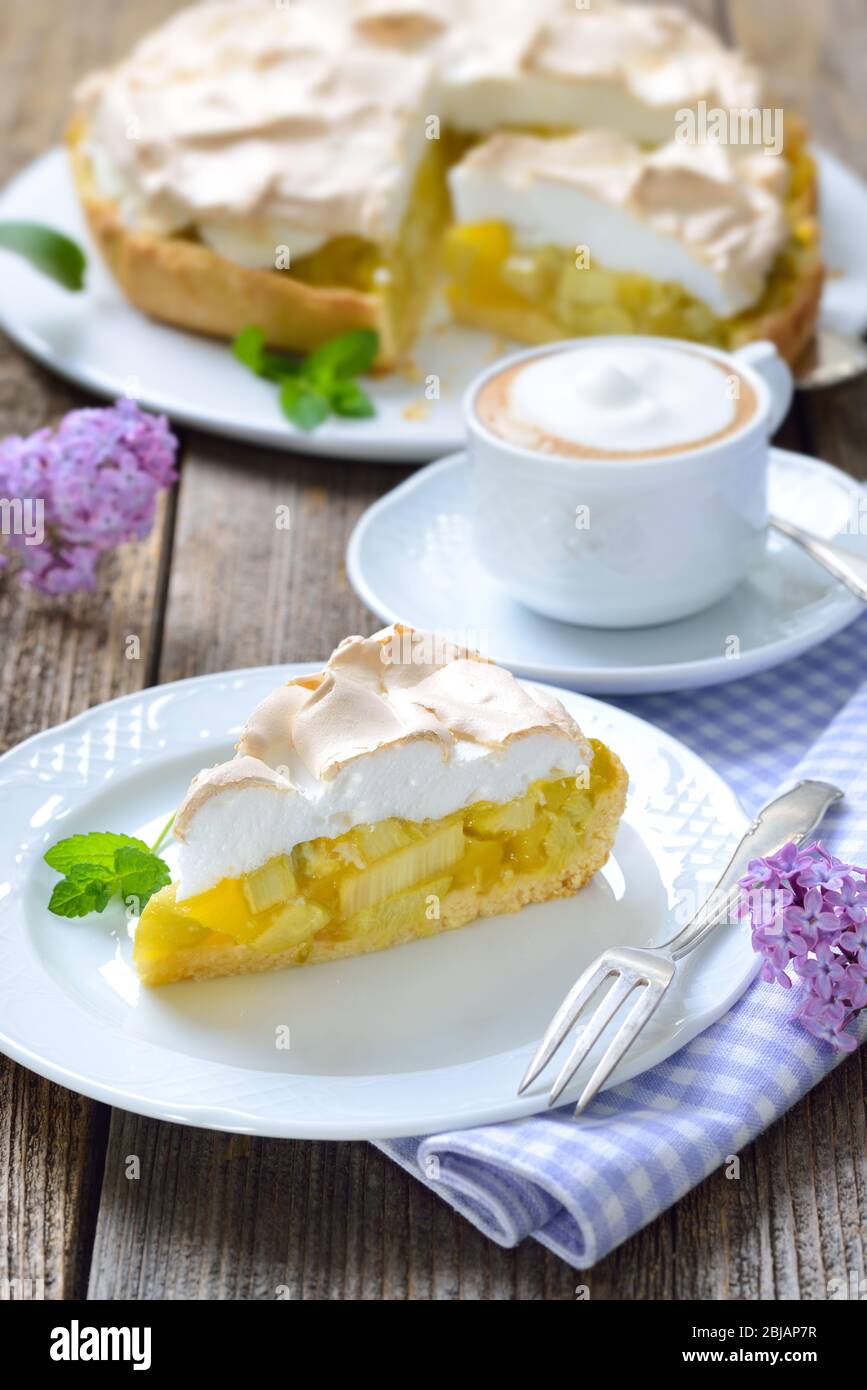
287, 165
407, 789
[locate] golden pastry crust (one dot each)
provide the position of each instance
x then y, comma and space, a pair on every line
790, 328
185, 283
458, 909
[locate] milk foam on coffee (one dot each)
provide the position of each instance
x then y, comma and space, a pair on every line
625, 398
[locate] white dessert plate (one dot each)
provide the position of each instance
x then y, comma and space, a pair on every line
98, 341
410, 559
420, 1039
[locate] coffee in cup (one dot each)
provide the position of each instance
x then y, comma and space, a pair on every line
622, 481
628, 400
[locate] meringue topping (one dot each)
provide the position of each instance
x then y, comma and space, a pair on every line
398, 724
369, 696
684, 213
259, 124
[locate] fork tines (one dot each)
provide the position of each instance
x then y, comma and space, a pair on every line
636, 975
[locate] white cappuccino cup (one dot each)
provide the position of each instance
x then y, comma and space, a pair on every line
622, 481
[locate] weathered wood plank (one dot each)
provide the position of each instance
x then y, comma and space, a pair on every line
246, 589
212, 1217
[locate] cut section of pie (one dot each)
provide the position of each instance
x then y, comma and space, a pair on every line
694, 242
405, 790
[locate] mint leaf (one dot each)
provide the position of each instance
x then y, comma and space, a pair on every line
303, 404
94, 874
347, 398
98, 866
76, 898
311, 389
276, 367
99, 847
348, 355
249, 348
50, 252
140, 874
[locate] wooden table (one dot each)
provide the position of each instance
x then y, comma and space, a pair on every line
217, 586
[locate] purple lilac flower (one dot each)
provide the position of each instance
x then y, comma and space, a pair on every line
823, 871
824, 970
808, 912
780, 933
813, 919
850, 901
773, 970
854, 943
766, 906
790, 860
762, 873
828, 1022
97, 476
853, 987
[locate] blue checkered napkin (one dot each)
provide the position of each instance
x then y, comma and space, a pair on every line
581, 1187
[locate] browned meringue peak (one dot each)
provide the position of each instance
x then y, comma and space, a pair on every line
663, 56
402, 23
238, 772
709, 200
398, 685
410, 655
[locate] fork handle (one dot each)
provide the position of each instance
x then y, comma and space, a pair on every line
793, 816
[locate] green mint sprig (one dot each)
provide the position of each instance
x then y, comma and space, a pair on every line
320, 384
50, 252
101, 866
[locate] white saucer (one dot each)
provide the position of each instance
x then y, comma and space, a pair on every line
96, 339
411, 559
427, 1037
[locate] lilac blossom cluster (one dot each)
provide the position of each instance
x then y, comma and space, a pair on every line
808, 909
96, 478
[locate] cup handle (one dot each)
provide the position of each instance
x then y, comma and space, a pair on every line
764, 358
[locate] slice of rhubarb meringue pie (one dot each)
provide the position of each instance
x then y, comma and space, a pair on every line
407, 789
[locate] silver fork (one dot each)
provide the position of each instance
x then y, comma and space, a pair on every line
647, 973
845, 565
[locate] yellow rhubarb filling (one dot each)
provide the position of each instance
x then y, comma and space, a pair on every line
378, 885
543, 293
